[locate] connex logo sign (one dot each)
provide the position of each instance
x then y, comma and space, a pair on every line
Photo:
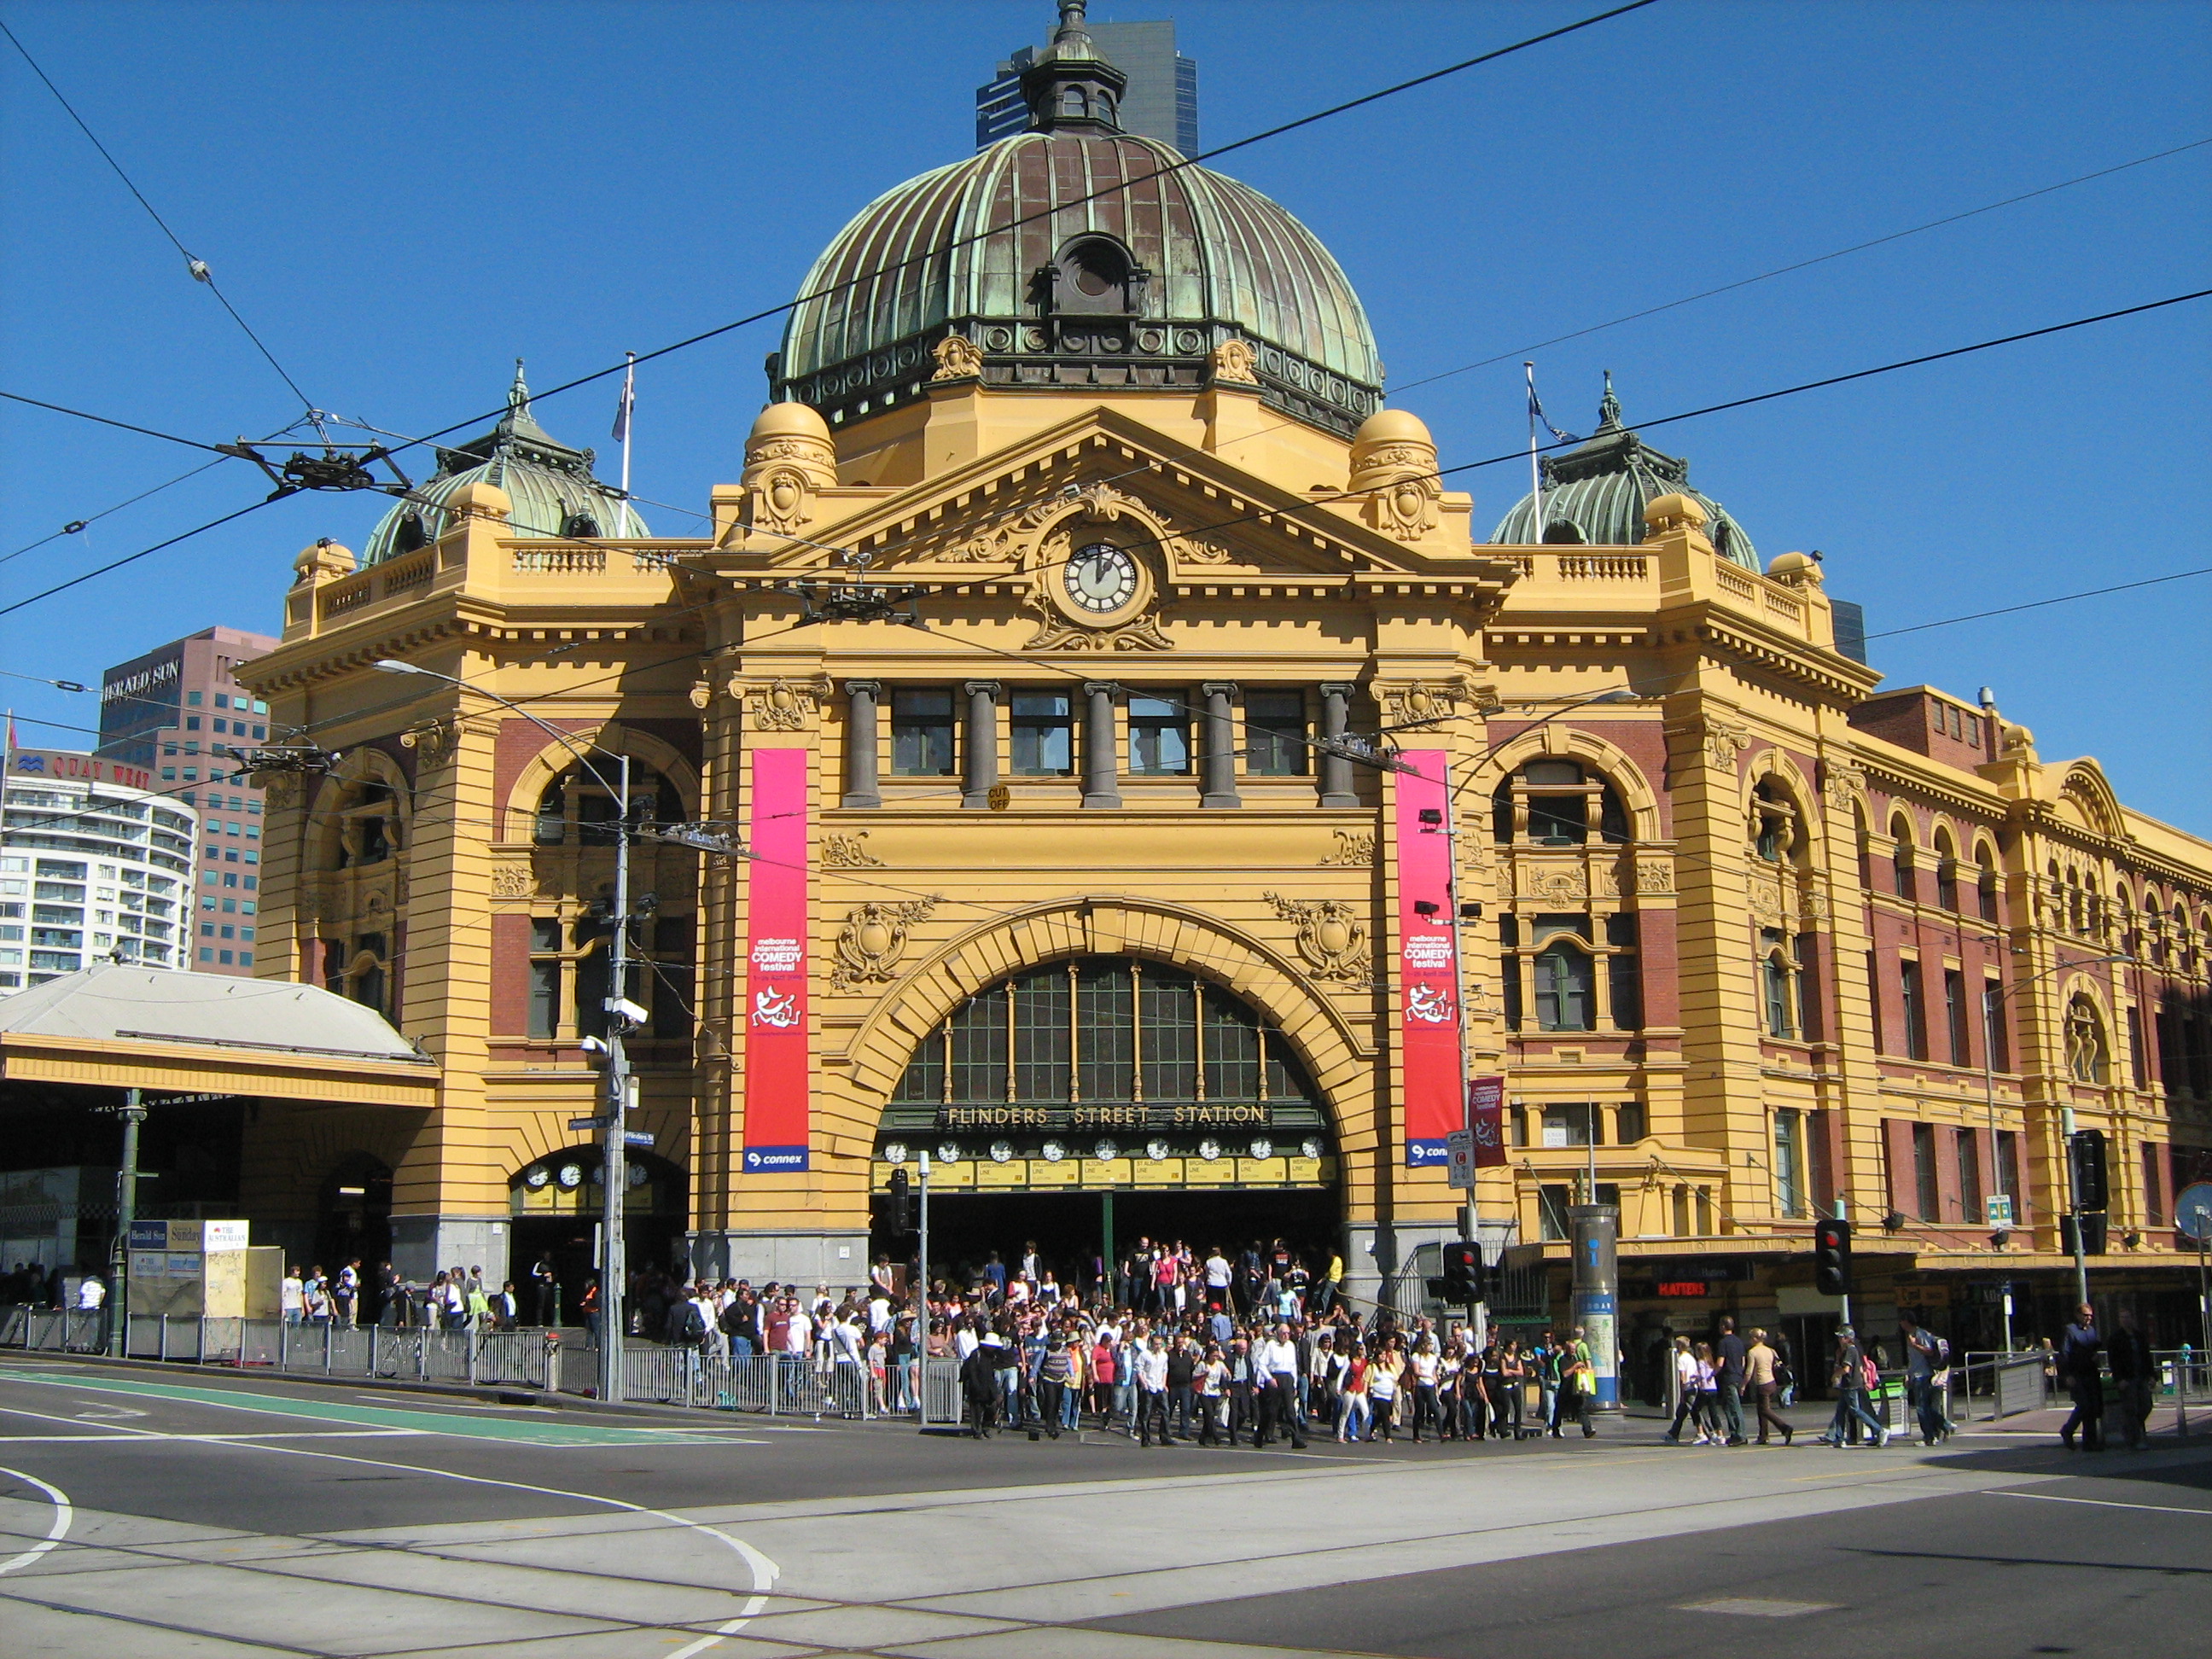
769, 1160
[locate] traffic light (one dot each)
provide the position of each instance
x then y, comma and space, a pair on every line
1831, 1257
901, 1219
2092, 1224
2085, 1147
1466, 1279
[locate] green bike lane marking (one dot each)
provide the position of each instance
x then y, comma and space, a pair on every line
525, 1432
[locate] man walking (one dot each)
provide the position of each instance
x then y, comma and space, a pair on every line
1275, 1373
1850, 1382
1578, 1384
2129, 1351
1924, 1354
1729, 1371
1152, 1391
2077, 1369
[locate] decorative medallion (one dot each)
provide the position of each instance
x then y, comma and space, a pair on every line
1234, 361
433, 742
1355, 849
958, 359
1561, 886
1331, 937
846, 853
1654, 877
786, 705
872, 939
1436, 699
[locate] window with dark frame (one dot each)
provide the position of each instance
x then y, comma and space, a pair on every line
546, 970
1916, 1012
1954, 1017
921, 733
1926, 1191
1041, 729
1275, 733
1159, 737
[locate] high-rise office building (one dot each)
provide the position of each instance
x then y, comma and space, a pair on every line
173, 713
1161, 102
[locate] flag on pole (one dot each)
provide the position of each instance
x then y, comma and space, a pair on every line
621, 411
1536, 418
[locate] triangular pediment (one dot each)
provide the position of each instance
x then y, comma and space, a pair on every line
1205, 519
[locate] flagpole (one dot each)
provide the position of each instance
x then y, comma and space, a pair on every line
629, 399
1535, 472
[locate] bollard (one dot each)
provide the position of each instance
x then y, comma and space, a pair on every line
330, 1343
552, 1362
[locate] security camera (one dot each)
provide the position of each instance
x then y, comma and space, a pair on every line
628, 1012
592, 1045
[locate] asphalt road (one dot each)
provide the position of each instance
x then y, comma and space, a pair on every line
219, 1516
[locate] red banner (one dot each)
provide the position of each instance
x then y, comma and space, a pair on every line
1428, 960
778, 1061
1486, 1114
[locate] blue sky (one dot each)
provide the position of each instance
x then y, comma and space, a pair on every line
403, 197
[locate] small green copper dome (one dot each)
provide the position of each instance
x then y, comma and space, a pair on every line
1076, 254
1597, 493
552, 485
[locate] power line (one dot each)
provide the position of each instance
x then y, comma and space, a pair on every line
133, 558
1805, 265
77, 526
2038, 604
84, 415
1059, 207
197, 267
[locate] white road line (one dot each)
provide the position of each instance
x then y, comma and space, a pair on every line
2102, 1503
133, 1438
64, 1513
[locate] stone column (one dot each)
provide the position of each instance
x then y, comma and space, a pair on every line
860, 744
981, 756
1336, 785
1219, 779
1102, 758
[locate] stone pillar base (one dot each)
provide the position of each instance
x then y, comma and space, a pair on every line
423, 1245
839, 1260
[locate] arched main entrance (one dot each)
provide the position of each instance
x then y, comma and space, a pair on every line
1082, 1103
554, 1204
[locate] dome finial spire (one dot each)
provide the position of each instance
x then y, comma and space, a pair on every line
1069, 85
1608, 410
518, 395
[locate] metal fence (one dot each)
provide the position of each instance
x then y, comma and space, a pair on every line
549, 1360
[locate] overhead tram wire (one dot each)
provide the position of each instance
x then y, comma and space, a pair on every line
1057, 207
133, 558
2038, 604
86, 415
1805, 265
197, 267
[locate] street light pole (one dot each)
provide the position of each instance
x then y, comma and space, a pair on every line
127, 1212
613, 1108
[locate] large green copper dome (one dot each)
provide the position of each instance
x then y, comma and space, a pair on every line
1597, 492
1134, 286
552, 486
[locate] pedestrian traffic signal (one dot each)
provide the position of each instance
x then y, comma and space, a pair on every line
901, 1219
2085, 1147
1832, 1257
1466, 1279
2092, 1225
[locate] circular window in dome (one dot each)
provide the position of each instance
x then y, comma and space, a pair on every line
1096, 268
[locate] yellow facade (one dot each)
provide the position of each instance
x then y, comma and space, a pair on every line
1752, 792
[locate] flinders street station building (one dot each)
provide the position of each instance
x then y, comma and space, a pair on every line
1156, 797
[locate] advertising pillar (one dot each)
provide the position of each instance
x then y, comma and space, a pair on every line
1596, 1230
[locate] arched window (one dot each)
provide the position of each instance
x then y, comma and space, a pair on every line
2085, 1049
1097, 276
1986, 884
578, 809
1902, 877
1107, 1042
1947, 871
1779, 986
1564, 982
1559, 800
366, 825
1774, 827
358, 968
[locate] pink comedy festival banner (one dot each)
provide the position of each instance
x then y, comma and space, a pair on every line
1428, 960
778, 1065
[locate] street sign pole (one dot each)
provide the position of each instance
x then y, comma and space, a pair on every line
127, 1212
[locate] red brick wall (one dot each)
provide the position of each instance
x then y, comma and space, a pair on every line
510, 974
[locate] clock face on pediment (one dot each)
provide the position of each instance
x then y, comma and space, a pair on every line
1099, 579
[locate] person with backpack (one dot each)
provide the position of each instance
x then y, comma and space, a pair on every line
1852, 1379
1926, 1355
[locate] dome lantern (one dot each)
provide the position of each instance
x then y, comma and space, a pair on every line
550, 488
1598, 492
1070, 87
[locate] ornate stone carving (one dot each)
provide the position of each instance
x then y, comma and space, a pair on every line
1764, 899
1723, 742
1654, 878
846, 853
786, 466
701, 694
1331, 937
1057, 633
959, 358
1560, 885
433, 742
513, 881
785, 705
1197, 550
1234, 361
280, 791
872, 939
1354, 848
1842, 783
1433, 700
